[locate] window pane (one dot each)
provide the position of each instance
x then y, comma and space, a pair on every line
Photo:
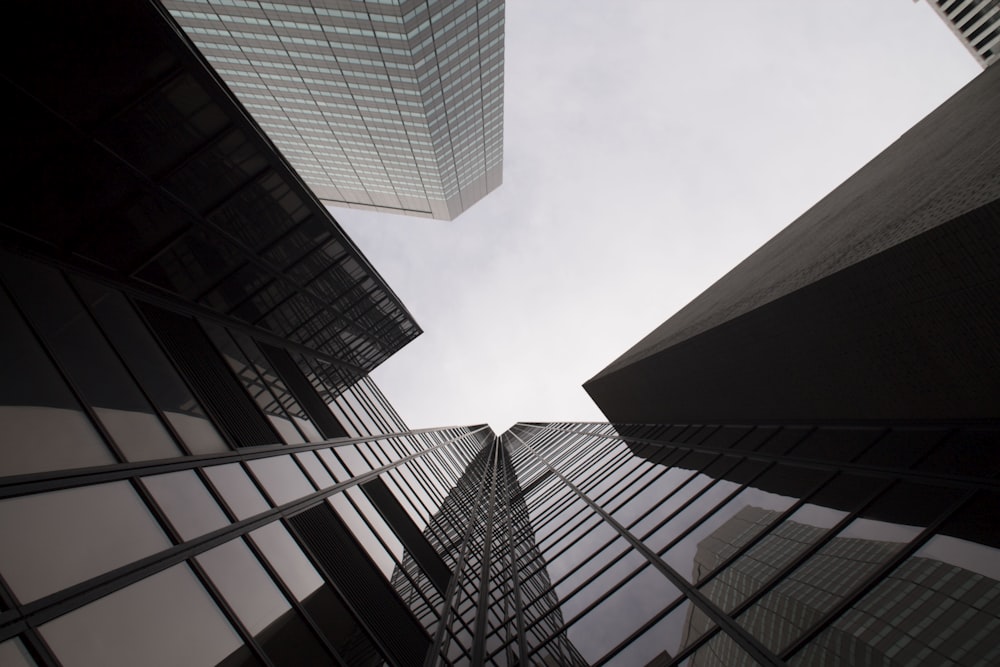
13, 654
801, 599
43, 425
281, 478
939, 607
151, 367
237, 489
190, 508
88, 360
624, 612
162, 621
287, 558
56, 539
234, 569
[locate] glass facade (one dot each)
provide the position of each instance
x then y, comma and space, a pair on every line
392, 106
196, 468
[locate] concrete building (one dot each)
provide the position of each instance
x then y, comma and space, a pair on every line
395, 106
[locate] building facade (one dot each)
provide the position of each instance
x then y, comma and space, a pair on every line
880, 303
976, 23
395, 106
196, 469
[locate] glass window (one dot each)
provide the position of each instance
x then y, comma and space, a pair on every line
940, 605
57, 539
89, 361
622, 613
187, 503
661, 641
44, 426
696, 510
826, 578
152, 368
334, 465
672, 501
319, 475
715, 540
234, 569
237, 489
165, 620
13, 654
284, 554
281, 478
258, 387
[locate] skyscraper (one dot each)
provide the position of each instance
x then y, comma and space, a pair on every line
976, 23
197, 470
394, 105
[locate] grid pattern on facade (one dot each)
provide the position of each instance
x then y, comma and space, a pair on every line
395, 106
153, 177
710, 545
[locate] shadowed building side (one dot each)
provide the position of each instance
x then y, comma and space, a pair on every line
878, 304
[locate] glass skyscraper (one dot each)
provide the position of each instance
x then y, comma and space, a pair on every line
395, 105
196, 468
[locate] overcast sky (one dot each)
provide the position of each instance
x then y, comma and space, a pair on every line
648, 148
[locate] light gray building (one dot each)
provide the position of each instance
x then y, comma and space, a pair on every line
388, 105
976, 23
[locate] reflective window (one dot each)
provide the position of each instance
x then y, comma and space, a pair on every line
825, 579
152, 368
57, 539
237, 489
281, 478
13, 654
187, 503
709, 545
238, 575
661, 641
622, 613
260, 389
90, 362
284, 554
939, 607
162, 621
319, 475
44, 426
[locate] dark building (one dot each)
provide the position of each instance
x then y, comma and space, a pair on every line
881, 303
197, 470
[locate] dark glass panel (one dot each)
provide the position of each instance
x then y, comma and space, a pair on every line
836, 444
188, 505
941, 606
281, 478
237, 490
245, 585
902, 447
151, 367
44, 426
630, 606
103, 526
969, 451
165, 620
89, 361
14, 654
260, 389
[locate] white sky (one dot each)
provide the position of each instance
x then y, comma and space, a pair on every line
649, 147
